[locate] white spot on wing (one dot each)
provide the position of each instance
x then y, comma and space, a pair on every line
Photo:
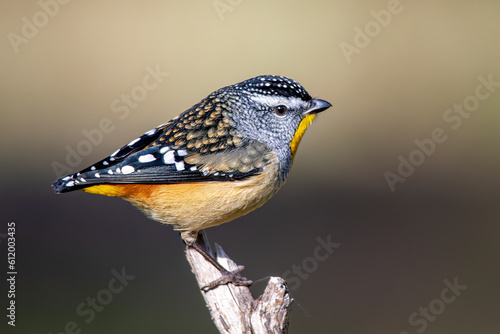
147, 158
179, 165
164, 149
114, 153
110, 172
133, 142
181, 153
92, 168
193, 168
168, 158
97, 175
70, 184
151, 132
66, 178
105, 163
128, 169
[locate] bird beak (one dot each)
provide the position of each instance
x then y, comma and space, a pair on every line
317, 106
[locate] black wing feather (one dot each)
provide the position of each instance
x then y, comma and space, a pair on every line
199, 145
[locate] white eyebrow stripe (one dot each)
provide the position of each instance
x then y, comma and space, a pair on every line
272, 101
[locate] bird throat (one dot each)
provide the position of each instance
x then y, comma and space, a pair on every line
294, 144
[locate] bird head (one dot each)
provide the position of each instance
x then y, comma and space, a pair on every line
273, 110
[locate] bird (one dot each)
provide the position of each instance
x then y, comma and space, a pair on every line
218, 160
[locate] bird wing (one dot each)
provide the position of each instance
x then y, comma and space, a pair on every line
197, 146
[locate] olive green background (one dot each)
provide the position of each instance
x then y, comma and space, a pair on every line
396, 248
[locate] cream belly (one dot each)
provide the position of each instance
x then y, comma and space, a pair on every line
196, 206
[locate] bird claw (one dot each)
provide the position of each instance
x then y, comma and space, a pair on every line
228, 277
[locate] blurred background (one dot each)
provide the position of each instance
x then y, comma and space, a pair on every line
410, 220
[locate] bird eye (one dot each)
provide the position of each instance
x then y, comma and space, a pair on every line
280, 110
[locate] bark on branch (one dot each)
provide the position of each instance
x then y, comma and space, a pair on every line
233, 308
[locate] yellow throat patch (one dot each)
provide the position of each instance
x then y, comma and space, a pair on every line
300, 132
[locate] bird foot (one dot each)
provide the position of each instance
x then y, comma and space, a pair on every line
227, 277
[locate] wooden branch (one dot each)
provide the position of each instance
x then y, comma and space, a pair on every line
233, 309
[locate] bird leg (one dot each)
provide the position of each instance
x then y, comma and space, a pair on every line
226, 275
